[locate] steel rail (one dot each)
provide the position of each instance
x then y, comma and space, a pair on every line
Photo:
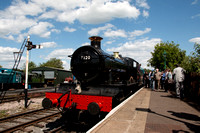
19, 115
22, 125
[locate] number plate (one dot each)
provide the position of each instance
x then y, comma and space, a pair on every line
85, 57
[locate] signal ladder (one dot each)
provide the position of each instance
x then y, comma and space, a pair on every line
16, 64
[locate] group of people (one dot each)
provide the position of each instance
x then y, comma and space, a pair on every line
158, 80
165, 80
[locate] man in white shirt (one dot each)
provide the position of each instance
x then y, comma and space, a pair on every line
179, 77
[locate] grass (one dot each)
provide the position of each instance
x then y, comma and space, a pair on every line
3, 113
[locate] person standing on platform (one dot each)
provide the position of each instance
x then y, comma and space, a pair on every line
149, 76
169, 80
157, 78
151, 79
179, 77
163, 79
145, 78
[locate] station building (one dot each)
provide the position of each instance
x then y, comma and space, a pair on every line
52, 76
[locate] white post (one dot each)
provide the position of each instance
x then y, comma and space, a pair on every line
26, 77
27, 60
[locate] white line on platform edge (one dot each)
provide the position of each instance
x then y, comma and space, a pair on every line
113, 111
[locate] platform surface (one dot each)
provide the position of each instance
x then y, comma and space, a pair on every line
151, 112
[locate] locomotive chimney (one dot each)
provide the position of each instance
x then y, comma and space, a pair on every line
96, 41
116, 55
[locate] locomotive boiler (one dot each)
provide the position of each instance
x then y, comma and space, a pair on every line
104, 80
91, 65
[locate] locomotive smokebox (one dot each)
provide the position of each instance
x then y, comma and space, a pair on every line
96, 41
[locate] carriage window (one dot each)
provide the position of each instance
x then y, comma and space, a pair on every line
134, 64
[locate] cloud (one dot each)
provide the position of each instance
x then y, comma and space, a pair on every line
13, 19
21, 8
49, 14
21, 37
101, 11
66, 64
96, 31
69, 29
195, 40
111, 31
142, 3
134, 49
195, 16
139, 32
116, 33
61, 5
48, 44
28, 17
69, 17
60, 54
110, 42
41, 29
55, 30
9, 37
194, 2
7, 57
63, 55
6, 53
14, 26
87, 12
85, 44
145, 13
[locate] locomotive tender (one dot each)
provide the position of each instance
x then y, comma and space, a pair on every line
104, 80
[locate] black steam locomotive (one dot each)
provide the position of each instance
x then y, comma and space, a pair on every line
104, 80
91, 65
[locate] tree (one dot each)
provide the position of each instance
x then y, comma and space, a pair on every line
196, 53
53, 62
31, 65
192, 62
174, 55
0, 66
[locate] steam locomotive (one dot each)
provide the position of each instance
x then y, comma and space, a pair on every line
104, 80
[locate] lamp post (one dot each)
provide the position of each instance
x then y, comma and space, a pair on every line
165, 54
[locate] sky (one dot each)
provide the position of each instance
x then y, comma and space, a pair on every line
130, 27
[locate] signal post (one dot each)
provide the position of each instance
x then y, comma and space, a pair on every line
29, 46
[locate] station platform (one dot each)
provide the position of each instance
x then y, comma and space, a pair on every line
150, 112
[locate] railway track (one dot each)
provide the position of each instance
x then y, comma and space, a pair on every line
48, 121
27, 122
18, 97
